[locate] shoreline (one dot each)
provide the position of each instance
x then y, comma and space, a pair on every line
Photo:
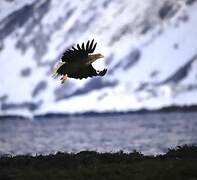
168, 109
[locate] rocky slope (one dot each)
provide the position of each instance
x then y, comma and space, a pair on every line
150, 51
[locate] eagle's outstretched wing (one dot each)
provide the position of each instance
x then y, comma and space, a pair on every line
88, 71
79, 53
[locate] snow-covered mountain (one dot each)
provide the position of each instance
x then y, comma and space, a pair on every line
150, 50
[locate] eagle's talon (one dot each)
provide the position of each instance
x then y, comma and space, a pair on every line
64, 78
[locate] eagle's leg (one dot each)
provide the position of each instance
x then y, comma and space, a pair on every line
64, 78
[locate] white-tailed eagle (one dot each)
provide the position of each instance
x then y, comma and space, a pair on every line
77, 62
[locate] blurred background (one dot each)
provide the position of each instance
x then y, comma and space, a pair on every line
150, 51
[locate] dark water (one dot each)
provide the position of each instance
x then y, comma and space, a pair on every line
149, 133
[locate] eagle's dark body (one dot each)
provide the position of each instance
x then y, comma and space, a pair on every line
77, 62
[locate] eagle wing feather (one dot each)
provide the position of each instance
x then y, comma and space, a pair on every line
79, 53
86, 72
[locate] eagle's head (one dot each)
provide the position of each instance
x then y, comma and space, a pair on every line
94, 57
98, 56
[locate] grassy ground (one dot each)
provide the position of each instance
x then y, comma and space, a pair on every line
176, 164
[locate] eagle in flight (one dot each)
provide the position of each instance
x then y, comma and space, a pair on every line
77, 62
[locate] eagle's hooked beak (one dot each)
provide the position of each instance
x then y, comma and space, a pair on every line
100, 56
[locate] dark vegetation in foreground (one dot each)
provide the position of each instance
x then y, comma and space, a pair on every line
179, 163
